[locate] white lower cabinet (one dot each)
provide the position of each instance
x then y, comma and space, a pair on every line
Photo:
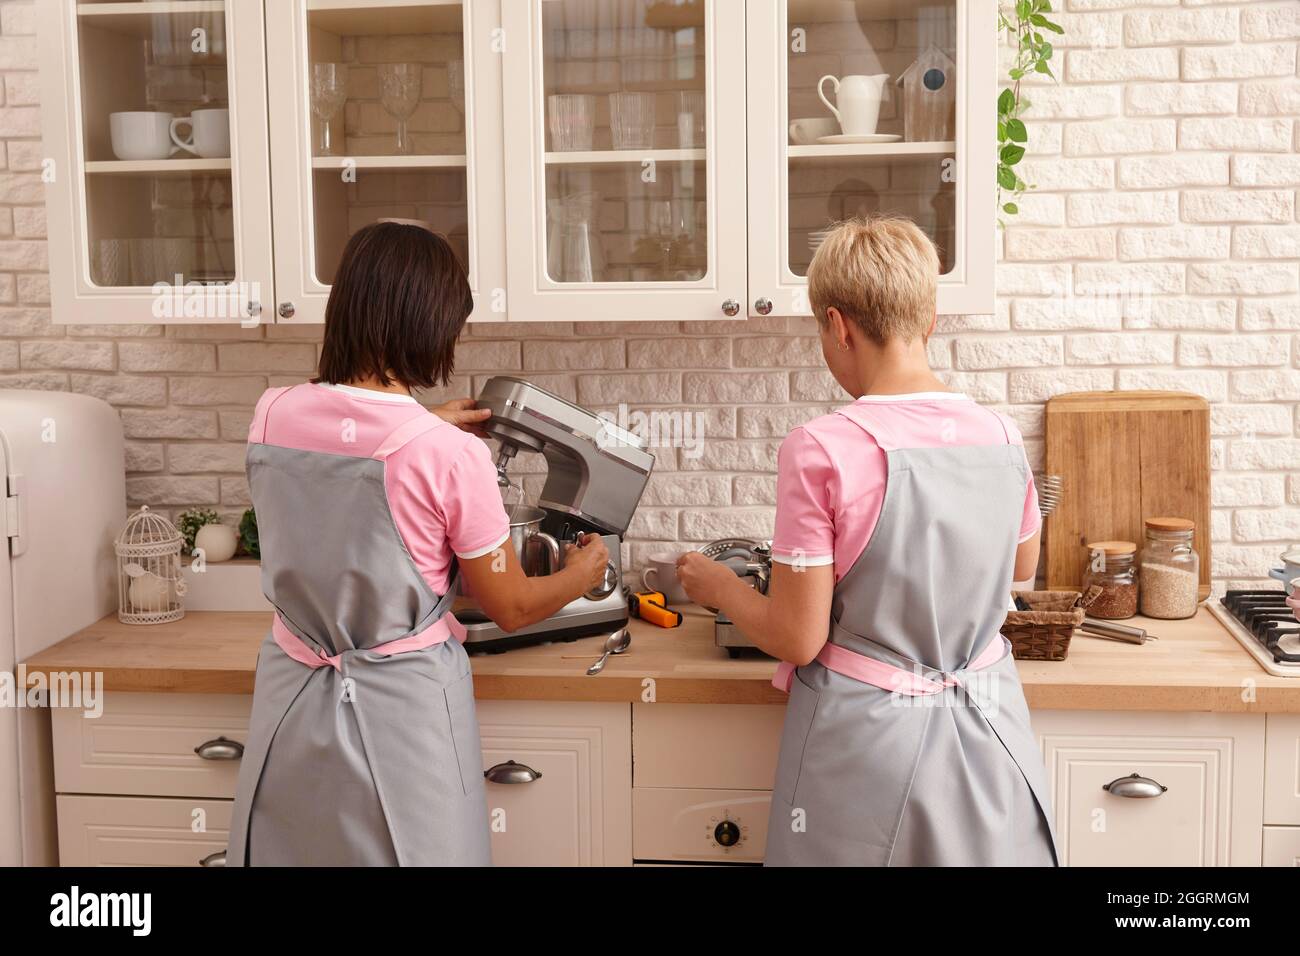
1144, 789
559, 782
150, 781
1282, 846
142, 831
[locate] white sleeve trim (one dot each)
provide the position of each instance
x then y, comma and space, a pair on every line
804, 560
481, 552
1037, 528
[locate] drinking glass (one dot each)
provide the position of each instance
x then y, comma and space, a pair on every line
456, 84
399, 85
690, 119
572, 120
632, 120
329, 91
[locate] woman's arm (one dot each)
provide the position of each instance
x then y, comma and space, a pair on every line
1027, 558
513, 600
791, 622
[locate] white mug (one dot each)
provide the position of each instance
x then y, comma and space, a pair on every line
141, 134
857, 102
209, 133
662, 576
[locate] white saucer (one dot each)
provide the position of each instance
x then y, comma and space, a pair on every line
843, 139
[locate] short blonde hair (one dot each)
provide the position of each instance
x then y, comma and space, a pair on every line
881, 273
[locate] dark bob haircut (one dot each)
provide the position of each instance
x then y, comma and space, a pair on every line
399, 302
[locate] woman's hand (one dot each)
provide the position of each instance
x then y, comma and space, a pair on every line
463, 415
591, 558
705, 580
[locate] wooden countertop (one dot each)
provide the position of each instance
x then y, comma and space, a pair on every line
1196, 665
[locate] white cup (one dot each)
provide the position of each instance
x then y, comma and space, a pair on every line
661, 576
209, 133
141, 134
806, 132
857, 102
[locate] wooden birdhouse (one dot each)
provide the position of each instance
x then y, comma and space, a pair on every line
930, 97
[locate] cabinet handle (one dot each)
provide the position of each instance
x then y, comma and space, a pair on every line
214, 859
254, 309
763, 306
286, 310
1135, 786
731, 307
220, 749
511, 772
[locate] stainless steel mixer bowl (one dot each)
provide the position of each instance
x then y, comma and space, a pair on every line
538, 552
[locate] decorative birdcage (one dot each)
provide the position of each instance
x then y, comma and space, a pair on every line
150, 588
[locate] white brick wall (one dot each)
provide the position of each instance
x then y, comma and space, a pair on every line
1161, 250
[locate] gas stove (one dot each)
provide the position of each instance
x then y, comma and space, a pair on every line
1263, 623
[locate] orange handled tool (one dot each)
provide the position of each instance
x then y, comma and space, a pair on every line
652, 607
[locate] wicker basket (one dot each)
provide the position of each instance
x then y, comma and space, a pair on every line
1043, 632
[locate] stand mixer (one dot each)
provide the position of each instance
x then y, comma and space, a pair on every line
596, 473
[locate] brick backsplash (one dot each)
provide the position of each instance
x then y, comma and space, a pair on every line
1161, 249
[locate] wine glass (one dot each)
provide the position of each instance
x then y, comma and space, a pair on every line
456, 84
399, 85
329, 91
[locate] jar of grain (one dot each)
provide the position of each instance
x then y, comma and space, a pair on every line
1111, 567
1169, 578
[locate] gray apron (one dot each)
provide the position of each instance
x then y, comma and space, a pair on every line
375, 759
870, 777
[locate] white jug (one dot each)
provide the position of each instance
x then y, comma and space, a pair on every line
858, 99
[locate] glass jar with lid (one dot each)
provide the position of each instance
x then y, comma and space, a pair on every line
1112, 567
1169, 576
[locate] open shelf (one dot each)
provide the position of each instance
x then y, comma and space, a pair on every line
389, 162
613, 157
872, 152
397, 17
154, 167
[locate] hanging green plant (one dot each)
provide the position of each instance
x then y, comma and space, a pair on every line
1025, 22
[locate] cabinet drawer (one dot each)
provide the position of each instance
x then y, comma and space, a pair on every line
145, 744
578, 810
1211, 764
710, 746
1282, 846
141, 831
702, 826
1282, 769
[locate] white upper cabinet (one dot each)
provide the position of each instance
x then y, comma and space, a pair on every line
625, 143
141, 229
913, 84
384, 109
587, 159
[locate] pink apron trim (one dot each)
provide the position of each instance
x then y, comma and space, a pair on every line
404, 433
868, 670
295, 647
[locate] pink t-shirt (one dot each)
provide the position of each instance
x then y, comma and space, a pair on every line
831, 474
441, 487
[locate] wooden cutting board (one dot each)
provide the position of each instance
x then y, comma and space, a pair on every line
1125, 457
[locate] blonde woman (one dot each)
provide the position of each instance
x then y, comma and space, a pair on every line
902, 520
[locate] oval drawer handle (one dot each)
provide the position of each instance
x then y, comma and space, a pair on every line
220, 749
214, 859
511, 772
1135, 786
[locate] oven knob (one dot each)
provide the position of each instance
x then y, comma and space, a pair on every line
726, 833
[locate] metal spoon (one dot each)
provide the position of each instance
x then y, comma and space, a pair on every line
616, 643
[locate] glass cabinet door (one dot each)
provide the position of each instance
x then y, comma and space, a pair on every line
384, 110
870, 107
625, 150
158, 193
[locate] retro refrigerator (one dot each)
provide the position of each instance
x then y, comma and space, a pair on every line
64, 502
